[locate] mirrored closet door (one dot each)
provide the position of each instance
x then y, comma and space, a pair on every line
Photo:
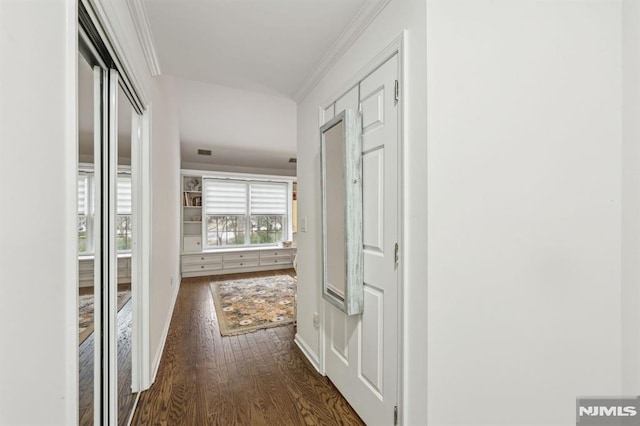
89, 125
109, 129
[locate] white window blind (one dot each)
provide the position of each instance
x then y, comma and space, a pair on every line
83, 194
225, 197
268, 199
124, 195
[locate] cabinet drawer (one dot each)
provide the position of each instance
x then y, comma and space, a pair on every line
85, 276
192, 243
86, 265
123, 265
245, 255
201, 267
245, 263
275, 254
198, 259
275, 260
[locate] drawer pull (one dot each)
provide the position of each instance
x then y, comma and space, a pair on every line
241, 264
241, 256
276, 261
197, 242
275, 254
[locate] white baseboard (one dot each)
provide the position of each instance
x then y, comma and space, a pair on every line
165, 333
306, 350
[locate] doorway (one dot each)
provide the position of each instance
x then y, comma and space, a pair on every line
361, 352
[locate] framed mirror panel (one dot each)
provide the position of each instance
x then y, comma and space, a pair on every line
341, 178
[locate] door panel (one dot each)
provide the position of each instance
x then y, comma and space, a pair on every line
368, 376
373, 200
373, 111
371, 342
339, 342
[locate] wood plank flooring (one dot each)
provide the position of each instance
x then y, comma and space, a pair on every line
126, 399
258, 378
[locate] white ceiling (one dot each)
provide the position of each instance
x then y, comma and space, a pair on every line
238, 65
269, 46
242, 129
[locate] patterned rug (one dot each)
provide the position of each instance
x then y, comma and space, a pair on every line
246, 305
85, 312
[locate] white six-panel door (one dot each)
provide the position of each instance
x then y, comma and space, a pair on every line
361, 351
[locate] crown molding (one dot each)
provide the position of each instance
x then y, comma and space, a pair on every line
366, 15
141, 22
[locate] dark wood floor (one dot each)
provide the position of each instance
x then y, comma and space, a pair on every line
259, 378
126, 399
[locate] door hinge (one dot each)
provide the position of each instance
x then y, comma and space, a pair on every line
397, 91
395, 415
395, 257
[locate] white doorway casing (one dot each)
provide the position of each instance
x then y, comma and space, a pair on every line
361, 351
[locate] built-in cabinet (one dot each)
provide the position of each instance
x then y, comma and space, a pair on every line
234, 260
85, 267
191, 213
197, 261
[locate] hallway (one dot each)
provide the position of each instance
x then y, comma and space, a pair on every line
258, 378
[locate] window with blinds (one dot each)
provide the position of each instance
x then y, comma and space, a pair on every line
86, 212
123, 211
244, 213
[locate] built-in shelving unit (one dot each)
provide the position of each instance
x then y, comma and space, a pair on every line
191, 214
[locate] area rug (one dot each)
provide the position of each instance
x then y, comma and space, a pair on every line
85, 312
250, 304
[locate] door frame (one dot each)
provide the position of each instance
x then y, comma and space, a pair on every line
397, 46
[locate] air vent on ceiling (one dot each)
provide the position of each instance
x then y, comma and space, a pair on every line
204, 152
293, 160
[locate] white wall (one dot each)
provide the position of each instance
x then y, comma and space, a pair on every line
397, 16
244, 129
165, 218
524, 191
38, 290
631, 198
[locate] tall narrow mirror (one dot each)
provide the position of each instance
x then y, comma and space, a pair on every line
89, 115
341, 174
124, 245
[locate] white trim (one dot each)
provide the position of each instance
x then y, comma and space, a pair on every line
308, 353
70, 246
110, 35
402, 199
141, 22
144, 259
165, 333
353, 31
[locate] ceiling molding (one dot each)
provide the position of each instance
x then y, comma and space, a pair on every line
141, 22
356, 27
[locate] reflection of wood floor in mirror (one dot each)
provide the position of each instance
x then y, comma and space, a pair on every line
126, 398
